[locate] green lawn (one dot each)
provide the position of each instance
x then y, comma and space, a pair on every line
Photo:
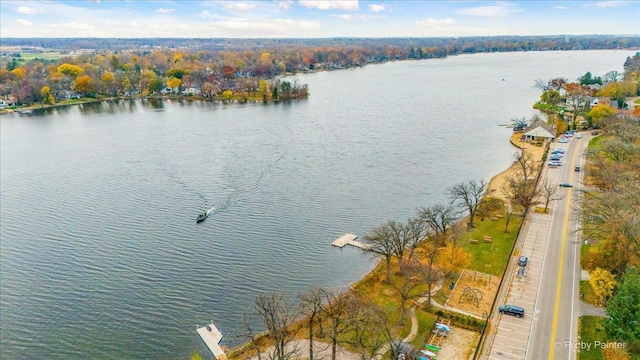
50, 55
425, 321
586, 293
591, 329
595, 142
491, 258
443, 294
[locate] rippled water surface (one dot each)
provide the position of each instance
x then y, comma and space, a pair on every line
101, 256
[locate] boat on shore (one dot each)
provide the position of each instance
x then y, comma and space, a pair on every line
204, 215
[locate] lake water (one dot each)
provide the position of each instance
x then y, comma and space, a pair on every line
101, 256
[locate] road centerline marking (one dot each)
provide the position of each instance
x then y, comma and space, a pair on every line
565, 227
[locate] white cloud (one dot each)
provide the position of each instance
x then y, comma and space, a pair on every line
501, 9
356, 16
205, 14
285, 4
328, 5
165, 11
560, 7
448, 27
377, 8
27, 10
238, 6
344, 16
610, 4
242, 27
435, 22
23, 22
70, 26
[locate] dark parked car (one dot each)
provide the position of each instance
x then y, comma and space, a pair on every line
578, 168
516, 311
522, 261
565, 184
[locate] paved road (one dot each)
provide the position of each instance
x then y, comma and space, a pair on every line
554, 333
548, 287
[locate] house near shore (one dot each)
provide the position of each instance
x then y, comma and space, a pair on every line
539, 132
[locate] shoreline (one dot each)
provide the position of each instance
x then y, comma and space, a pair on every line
34, 107
495, 183
243, 351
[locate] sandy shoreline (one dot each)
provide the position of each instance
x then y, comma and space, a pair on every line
495, 184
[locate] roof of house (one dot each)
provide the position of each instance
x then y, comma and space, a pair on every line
540, 129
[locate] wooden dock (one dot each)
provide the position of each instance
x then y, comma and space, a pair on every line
350, 239
212, 337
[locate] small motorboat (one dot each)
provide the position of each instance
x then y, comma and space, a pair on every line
204, 215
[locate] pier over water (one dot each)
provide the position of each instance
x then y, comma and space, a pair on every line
212, 337
350, 239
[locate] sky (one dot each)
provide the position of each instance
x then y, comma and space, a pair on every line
314, 19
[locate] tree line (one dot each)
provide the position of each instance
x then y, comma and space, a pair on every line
611, 222
211, 67
611, 226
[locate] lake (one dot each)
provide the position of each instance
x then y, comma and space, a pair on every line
101, 256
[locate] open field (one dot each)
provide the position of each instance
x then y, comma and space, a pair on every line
491, 257
29, 56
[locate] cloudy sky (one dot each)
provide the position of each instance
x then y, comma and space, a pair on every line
310, 18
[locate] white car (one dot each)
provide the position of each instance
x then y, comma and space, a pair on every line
579, 136
563, 140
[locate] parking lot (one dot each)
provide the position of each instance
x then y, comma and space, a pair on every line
509, 340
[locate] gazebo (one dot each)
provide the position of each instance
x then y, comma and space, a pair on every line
539, 131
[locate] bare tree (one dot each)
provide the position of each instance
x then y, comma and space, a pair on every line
470, 194
370, 329
520, 122
407, 284
399, 238
311, 305
547, 190
382, 243
336, 312
439, 218
246, 320
542, 85
553, 84
612, 76
489, 205
430, 275
606, 174
526, 165
508, 212
519, 188
416, 232
278, 316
